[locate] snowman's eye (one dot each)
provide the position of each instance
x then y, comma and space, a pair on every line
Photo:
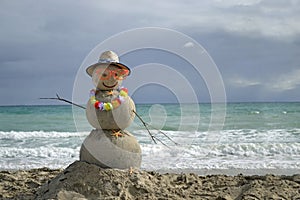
121, 74
104, 76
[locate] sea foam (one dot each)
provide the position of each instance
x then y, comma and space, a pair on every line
232, 149
39, 134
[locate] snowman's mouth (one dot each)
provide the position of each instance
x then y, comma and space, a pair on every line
110, 86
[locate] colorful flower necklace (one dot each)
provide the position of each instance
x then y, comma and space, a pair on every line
107, 106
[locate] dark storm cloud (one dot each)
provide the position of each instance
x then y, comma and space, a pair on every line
267, 69
255, 43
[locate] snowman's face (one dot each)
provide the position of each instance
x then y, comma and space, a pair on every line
108, 78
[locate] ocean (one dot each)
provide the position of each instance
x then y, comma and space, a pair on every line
254, 136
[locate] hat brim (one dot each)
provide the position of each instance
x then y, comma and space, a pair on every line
91, 68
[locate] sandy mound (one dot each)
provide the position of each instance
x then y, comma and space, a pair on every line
23, 184
85, 181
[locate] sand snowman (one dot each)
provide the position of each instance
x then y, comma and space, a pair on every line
110, 111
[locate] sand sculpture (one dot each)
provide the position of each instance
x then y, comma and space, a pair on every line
110, 110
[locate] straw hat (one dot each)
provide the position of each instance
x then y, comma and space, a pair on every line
107, 58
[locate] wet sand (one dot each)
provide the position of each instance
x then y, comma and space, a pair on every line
85, 181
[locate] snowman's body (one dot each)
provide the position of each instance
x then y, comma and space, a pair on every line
107, 151
119, 118
109, 145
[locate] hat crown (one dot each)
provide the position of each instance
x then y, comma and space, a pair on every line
106, 59
109, 57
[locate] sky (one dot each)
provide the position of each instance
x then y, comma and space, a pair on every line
254, 43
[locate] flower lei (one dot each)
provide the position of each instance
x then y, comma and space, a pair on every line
107, 106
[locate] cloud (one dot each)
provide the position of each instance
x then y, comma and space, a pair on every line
277, 84
230, 3
41, 39
24, 24
277, 20
242, 82
255, 18
189, 45
285, 82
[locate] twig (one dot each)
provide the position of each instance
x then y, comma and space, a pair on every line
145, 124
61, 99
152, 136
166, 135
161, 142
70, 102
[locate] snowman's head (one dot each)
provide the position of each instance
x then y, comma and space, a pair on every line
108, 77
108, 72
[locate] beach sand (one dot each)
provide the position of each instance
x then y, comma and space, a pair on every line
86, 181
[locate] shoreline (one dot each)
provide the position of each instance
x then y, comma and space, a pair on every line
234, 172
200, 172
88, 181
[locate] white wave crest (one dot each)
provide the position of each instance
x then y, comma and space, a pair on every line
39, 134
28, 158
222, 156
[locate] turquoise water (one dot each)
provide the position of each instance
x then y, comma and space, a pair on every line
238, 116
36, 118
249, 136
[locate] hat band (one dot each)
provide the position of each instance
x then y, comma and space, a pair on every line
107, 61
